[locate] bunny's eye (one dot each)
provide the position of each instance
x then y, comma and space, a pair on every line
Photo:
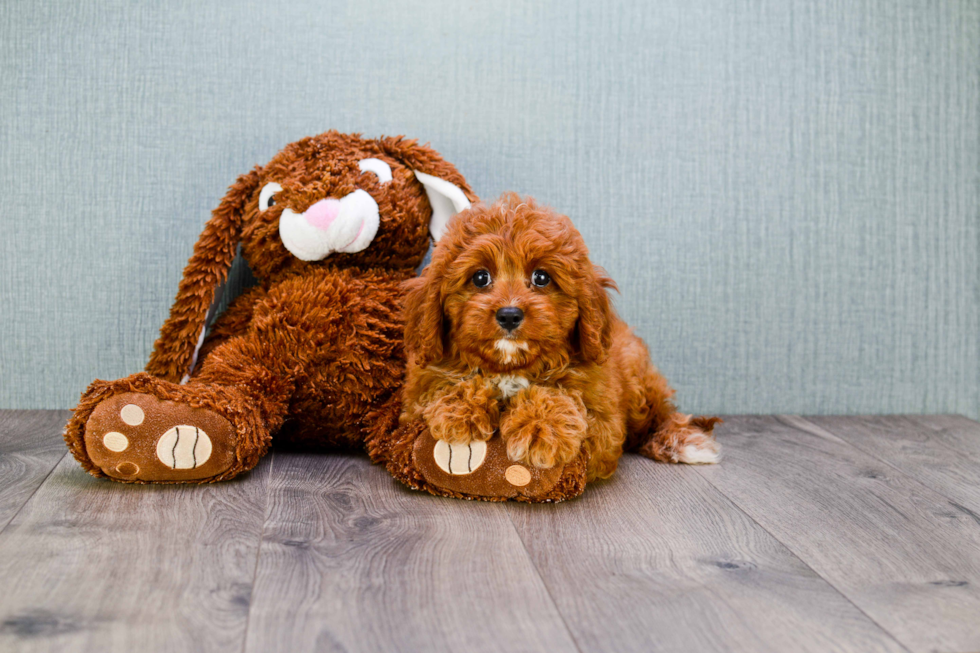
481, 279
378, 167
267, 197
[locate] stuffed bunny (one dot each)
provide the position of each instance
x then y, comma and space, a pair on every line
330, 228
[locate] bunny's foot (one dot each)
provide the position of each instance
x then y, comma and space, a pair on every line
145, 430
475, 470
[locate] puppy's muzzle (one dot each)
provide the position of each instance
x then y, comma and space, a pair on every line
510, 317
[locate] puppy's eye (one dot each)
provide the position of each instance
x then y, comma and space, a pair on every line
267, 197
481, 279
540, 278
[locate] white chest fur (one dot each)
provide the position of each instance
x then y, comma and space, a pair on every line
510, 384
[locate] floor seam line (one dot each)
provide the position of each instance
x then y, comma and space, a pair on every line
806, 564
258, 550
28, 499
859, 449
912, 419
544, 583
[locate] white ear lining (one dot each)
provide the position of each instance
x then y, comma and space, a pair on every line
446, 200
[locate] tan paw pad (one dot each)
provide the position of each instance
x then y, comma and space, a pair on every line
128, 469
459, 459
115, 441
132, 414
184, 447
517, 475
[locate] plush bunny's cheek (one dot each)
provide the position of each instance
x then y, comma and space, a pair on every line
345, 225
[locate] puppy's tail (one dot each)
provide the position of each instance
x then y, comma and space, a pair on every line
679, 439
705, 423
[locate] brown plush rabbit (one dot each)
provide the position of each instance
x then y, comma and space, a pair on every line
330, 228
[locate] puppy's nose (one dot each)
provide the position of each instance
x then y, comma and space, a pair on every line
322, 214
510, 317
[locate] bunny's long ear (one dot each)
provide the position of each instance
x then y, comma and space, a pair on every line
446, 200
447, 191
181, 336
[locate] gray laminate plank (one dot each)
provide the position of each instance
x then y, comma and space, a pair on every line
955, 431
656, 559
904, 554
92, 565
353, 561
30, 447
936, 451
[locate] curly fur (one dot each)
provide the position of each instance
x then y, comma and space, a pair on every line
544, 426
587, 379
465, 412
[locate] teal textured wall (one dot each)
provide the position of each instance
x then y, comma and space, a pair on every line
786, 191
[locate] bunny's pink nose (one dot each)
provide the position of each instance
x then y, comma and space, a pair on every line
323, 213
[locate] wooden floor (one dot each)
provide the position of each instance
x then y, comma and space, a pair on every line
816, 534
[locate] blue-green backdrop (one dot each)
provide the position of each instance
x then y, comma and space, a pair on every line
785, 190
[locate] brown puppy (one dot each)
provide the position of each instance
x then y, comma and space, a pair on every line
330, 227
511, 327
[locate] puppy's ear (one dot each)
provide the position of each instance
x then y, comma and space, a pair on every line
181, 336
423, 318
595, 315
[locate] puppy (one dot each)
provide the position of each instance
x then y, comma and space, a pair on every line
510, 328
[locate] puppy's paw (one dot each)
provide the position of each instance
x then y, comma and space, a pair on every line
544, 428
459, 427
541, 445
468, 412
